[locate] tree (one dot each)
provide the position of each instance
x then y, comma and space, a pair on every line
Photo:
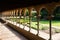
44, 13
27, 13
56, 13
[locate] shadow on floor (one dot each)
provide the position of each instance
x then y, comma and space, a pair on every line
16, 33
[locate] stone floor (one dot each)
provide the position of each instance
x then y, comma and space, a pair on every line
7, 33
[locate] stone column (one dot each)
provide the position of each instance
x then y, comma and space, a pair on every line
16, 12
50, 8
10, 14
20, 10
16, 15
24, 11
38, 18
13, 15
30, 16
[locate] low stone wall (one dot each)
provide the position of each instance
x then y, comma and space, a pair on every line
2, 21
25, 33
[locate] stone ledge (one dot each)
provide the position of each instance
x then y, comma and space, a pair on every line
25, 33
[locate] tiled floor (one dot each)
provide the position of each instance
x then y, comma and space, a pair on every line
7, 33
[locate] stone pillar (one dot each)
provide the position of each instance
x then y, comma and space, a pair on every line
38, 18
16, 14
50, 8
20, 10
13, 16
24, 12
10, 13
30, 16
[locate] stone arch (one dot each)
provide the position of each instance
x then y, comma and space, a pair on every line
27, 12
43, 7
32, 10
33, 14
32, 18
57, 5
44, 13
22, 13
16, 12
39, 8
56, 12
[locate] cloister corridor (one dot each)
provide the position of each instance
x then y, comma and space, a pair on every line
30, 20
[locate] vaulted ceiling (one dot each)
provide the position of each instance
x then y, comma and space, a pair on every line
13, 4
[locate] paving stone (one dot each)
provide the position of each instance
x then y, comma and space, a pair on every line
7, 33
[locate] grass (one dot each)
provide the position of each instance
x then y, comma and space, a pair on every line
56, 23
33, 23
